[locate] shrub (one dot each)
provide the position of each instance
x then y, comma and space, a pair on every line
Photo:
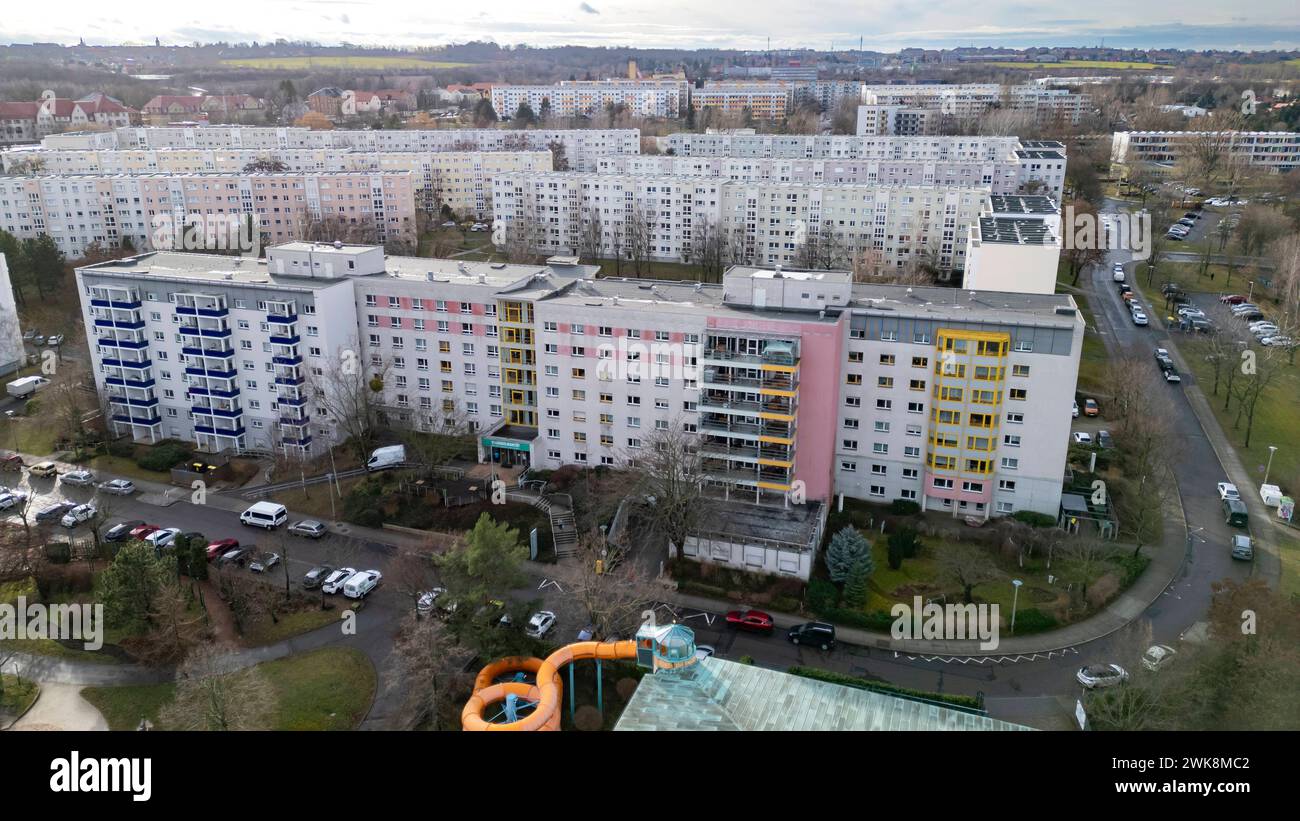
58, 552
895, 554
904, 507
163, 456
1033, 620
875, 620
1132, 567
123, 448
907, 540
823, 596
855, 588
1034, 519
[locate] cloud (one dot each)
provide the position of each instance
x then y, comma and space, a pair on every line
587, 8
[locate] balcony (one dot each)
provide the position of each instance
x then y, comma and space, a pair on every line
208, 333
132, 305
216, 313
122, 324
131, 419
289, 380
125, 363
135, 403
223, 393
295, 421
224, 413
295, 359
130, 344
281, 319
128, 383
300, 442
213, 373
295, 401
215, 431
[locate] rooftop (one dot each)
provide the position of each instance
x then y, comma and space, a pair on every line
1039, 154
213, 268
959, 304
1022, 204
715, 694
793, 525
1015, 231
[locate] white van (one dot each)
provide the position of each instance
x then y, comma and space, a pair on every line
389, 457
362, 583
265, 514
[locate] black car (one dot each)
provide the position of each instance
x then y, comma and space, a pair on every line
316, 576
238, 556
816, 633
54, 512
121, 532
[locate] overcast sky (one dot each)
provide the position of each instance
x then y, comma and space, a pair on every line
885, 25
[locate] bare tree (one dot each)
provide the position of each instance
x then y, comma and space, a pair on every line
428, 669
209, 696
611, 588
412, 576
1083, 561
967, 565
351, 392
672, 484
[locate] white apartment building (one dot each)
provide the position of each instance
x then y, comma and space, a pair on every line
889, 120
762, 101
586, 98
969, 100
580, 146
78, 210
462, 180
743, 143
761, 221
1001, 175
1276, 151
796, 382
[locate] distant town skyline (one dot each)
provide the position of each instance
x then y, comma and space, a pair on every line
882, 25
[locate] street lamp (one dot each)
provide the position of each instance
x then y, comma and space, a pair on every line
1015, 599
1272, 449
1251, 293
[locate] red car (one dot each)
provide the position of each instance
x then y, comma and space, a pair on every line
144, 530
755, 621
1232, 299
221, 546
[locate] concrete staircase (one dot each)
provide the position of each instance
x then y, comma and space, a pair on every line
559, 507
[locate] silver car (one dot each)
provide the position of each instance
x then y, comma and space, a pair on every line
310, 528
119, 487
1096, 676
78, 478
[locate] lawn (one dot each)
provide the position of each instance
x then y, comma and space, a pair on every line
17, 695
354, 62
314, 500
1093, 357
309, 618
1275, 419
124, 466
1189, 278
1289, 549
327, 689
1106, 64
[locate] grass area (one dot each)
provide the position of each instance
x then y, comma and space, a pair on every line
123, 707
1093, 357
10, 591
314, 500
1275, 418
288, 625
1188, 276
1106, 64
123, 466
17, 695
1289, 551
50, 647
326, 689
367, 62
35, 435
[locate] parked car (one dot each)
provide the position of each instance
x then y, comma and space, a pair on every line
78, 478
118, 487
1242, 547
120, 532
1074, 409
704, 651
1104, 440
1101, 675
1082, 438
540, 624
1090, 407
263, 562
1232, 299
1236, 513
13, 498
45, 469
1157, 656
316, 576
1277, 342
53, 512
754, 621
79, 514
163, 537
144, 530
237, 556
55, 341
1172, 376
12, 462
1140, 318
310, 528
361, 583
1227, 490
815, 633
221, 546
427, 599
334, 582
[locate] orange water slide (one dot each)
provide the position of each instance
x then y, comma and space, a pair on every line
546, 692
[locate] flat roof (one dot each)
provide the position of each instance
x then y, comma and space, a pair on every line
1022, 204
960, 304
1014, 231
733, 519
208, 268
1038, 154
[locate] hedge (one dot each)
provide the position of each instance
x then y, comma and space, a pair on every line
1034, 518
1034, 621
969, 702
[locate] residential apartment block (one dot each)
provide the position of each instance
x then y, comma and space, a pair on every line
1276, 151
461, 180
586, 98
762, 101
969, 100
78, 210
29, 121
580, 146
760, 221
794, 385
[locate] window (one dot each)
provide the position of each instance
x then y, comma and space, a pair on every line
879, 470
1015, 418
1004, 507
912, 452
850, 423
1020, 370
1011, 440
880, 448
886, 359
884, 381
849, 444
849, 466
1007, 485
881, 427
1010, 464
884, 404
877, 491
1018, 394
853, 379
